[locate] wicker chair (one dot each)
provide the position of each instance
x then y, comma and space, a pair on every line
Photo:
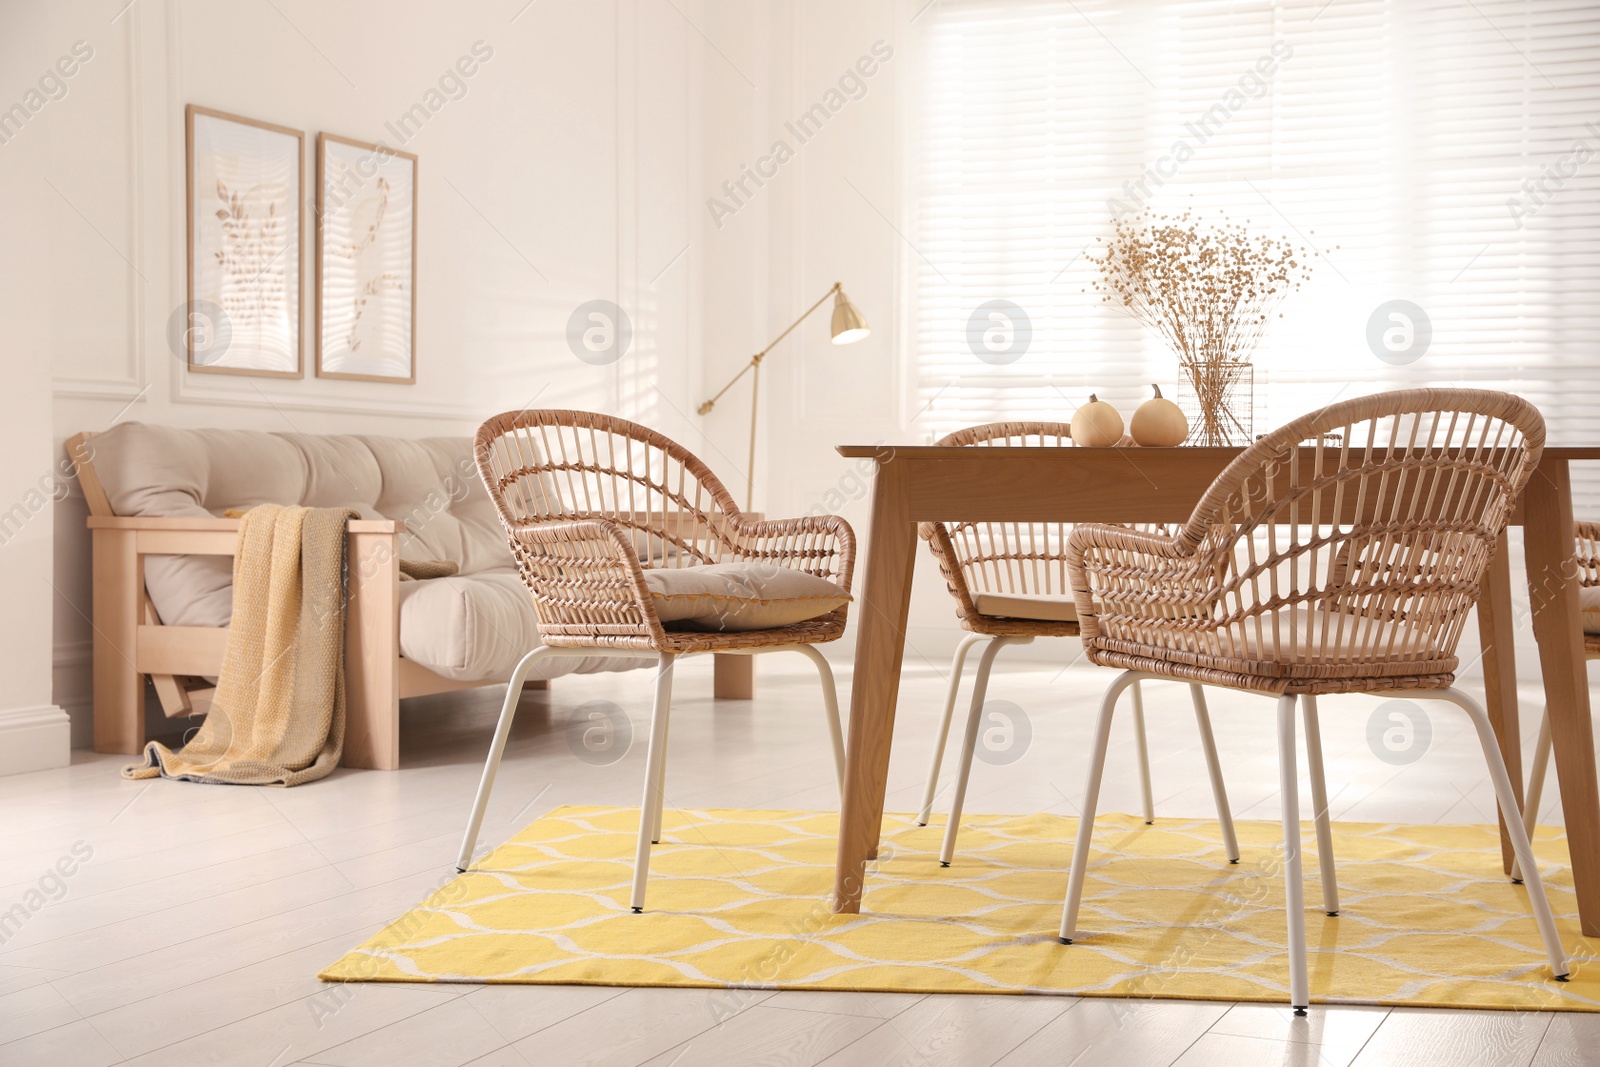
589, 504
1009, 581
1345, 566
1587, 558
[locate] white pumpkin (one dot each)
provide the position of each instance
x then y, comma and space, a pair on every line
1096, 424
1159, 423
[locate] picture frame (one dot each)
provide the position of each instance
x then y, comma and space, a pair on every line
366, 245
244, 206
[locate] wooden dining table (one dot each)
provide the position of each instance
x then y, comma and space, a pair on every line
922, 483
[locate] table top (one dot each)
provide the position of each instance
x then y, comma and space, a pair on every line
1206, 453
1029, 483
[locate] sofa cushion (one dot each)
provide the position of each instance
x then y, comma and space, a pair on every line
740, 596
476, 627
430, 485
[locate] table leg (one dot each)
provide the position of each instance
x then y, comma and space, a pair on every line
733, 677
1553, 591
1497, 635
881, 614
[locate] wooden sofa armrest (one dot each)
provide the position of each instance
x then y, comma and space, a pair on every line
214, 537
130, 642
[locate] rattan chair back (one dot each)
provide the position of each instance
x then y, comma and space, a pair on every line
1346, 546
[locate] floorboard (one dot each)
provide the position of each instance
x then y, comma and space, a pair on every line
193, 934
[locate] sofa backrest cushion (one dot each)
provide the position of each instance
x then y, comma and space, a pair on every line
431, 485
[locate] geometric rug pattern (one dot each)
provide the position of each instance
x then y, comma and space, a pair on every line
739, 900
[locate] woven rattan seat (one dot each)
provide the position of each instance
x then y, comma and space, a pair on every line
1010, 584
1341, 553
589, 503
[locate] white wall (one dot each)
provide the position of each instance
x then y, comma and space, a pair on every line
832, 213
33, 733
839, 210
578, 165
561, 176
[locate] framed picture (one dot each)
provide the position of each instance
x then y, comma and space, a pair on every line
366, 261
246, 215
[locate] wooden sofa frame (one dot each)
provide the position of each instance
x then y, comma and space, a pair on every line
130, 640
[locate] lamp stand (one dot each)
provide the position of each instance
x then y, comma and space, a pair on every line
755, 407
755, 392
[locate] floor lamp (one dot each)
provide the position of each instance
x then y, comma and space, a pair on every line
849, 326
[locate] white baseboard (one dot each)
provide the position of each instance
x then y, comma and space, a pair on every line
34, 739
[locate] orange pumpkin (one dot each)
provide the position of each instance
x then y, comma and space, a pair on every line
1159, 423
1096, 424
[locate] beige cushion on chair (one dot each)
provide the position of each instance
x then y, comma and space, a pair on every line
740, 596
1589, 608
1041, 607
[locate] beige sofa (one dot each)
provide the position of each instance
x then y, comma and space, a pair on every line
163, 570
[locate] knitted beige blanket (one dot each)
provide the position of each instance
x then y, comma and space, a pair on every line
278, 714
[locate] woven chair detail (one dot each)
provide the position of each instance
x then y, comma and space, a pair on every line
1004, 557
1340, 553
1027, 560
1316, 568
590, 501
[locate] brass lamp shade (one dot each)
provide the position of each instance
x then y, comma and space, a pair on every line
849, 325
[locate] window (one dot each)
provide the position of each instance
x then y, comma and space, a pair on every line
1443, 154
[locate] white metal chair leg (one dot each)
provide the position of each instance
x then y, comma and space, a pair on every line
830, 700
969, 743
656, 766
956, 667
1507, 799
1536, 776
1319, 803
1230, 842
1293, 886
497, 748
655, 760
1143, 750
1091, 797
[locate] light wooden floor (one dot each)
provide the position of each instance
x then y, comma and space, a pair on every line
193, 933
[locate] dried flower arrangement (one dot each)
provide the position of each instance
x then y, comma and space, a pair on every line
1208, 289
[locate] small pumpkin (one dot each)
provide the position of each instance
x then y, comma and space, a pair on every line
1096, 424
1159, 423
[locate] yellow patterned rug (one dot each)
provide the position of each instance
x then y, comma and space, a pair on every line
739, 899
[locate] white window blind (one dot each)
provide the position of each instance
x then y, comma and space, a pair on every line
1443, 153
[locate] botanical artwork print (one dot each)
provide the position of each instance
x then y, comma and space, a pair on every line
371, 278
252, 247
246, 258
366, 209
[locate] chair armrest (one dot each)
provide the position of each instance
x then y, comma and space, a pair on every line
951, 566
1145, 575
823, 545
585, 578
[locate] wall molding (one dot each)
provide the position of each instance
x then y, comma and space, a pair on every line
185, 393
128, 385
95, 389
34, 739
